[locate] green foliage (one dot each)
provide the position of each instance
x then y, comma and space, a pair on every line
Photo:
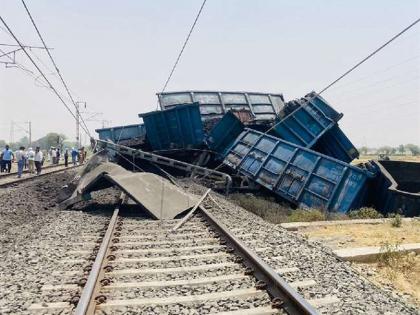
307, 215
414, 149
52, 139
396, 219
401, 149
365, 213
363, 150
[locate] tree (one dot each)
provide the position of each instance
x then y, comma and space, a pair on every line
401, 149
2, 144
52, 139
386, 150
363, 150
414, 149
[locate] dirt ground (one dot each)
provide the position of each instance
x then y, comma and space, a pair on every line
361, 235
401, 273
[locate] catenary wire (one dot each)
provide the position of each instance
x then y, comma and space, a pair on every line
183, 46
56, 67
39, 70
369, 56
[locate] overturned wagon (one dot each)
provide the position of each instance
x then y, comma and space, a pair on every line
301, 176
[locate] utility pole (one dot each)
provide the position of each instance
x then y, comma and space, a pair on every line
77, 125
78, 122
30, 132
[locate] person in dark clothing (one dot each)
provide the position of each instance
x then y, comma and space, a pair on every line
57, 161
66, 158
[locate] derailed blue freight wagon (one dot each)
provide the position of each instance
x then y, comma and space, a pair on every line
179, 127
214, 104
396, 189
312, 123
301, 176
121, 133
224, 133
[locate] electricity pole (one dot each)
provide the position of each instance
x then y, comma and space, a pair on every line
78, 122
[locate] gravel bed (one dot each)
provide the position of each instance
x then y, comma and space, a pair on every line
173, 263
138, 293
177, 275
208, 307
333, 277
173, 253
35, 236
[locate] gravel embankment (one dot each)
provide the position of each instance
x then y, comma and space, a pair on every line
35, 239
333, 277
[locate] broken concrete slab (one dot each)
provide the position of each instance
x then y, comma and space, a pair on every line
156, 195
369, 254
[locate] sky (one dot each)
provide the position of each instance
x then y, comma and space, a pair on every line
116, 55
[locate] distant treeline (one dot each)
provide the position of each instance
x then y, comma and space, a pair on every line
402, 149
52, 139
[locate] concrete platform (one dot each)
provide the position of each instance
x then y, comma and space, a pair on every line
369, 254
294, 226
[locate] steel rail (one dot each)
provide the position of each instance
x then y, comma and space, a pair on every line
282, 294
25, 179
3, 175
86, 304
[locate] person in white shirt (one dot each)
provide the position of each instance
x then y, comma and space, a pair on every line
53, 155
20, 159
38, 160
31, 160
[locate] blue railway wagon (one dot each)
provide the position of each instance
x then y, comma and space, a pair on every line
304, 126
301, 176
396, 189
179, 127
224, 133
316, 100
335, 143
120, 133
310, 127
214, 104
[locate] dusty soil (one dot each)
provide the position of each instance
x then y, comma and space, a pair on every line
404, 278
402, 274
361, 235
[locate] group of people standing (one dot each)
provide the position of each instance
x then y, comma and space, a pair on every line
34, 160
30, 159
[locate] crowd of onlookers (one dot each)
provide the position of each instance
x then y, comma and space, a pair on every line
33, 160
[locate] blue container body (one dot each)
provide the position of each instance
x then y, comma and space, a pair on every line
334, 143
214, 104
319, 102
224, 133
301, 176
304, 126
120, 133
177, 128
396, 189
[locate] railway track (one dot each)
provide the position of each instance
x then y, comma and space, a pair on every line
8, 179
142, 266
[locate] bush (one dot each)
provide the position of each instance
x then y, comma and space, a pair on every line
365, 213
307, 215
396, 220
395, 262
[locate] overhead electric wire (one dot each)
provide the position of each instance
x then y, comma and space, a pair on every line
369, 56
183, 46
56, 67
39, 70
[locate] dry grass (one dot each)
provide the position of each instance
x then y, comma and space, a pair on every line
400, 271
272, 211
360, 235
